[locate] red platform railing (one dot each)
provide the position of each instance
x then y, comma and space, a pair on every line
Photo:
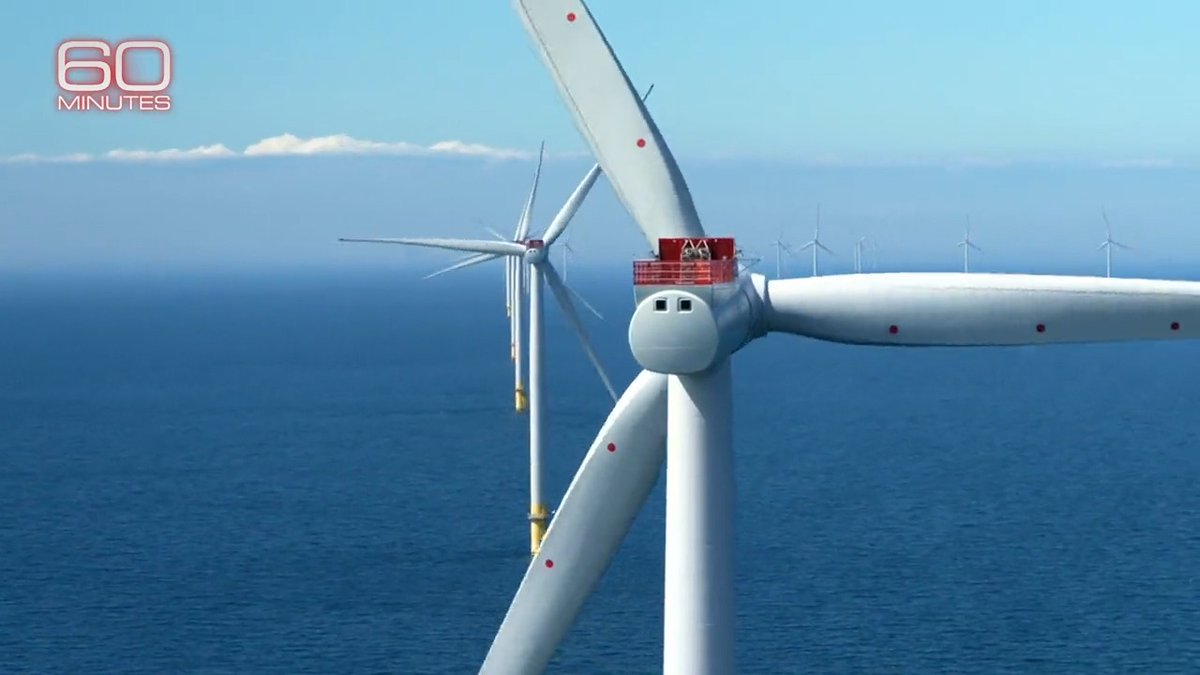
691, 273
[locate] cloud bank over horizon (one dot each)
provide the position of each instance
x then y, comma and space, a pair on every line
290, 144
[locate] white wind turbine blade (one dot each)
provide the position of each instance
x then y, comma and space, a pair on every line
466, 262
527, 213
951, 309
564, 300
824, 248
596, 512
582, 301
612, 117
568, 210
495, 234
469, 245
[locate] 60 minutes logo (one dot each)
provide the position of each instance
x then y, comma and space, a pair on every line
107, 83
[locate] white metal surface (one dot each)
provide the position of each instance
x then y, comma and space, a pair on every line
563, 295
537, 393
982, 309
597, 510
495, 248
699, 614
667, 338
611, 117
690, 329
518, 327
571, 206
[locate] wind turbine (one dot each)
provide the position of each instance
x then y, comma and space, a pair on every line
1108, 244
966, 245
567, 252
780, 247
532, 257
815, 242
859, 245
695, 309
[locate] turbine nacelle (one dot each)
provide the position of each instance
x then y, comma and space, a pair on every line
535, 251
694, 310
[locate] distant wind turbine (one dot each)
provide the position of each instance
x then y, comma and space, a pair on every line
567, 254
1108, 244
859, 245
815, 243
966, 245
780, 247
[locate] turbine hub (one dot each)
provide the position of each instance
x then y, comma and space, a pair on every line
693, 308
674, 331
535, 251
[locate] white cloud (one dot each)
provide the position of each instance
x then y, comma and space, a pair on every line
477, 150
216, 150
31, 157
289, 144
344, 144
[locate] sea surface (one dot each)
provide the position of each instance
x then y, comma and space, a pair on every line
323, 473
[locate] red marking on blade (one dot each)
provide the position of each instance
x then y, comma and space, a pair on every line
570, 16
1174, 325
641, 142
549, 563
1041, 328
612, 447
893, 329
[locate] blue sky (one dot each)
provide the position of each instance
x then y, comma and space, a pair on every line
979, 106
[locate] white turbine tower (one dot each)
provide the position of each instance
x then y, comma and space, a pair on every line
1108, 244
780, 247
533, 258
567, 253
966, 245
695, 309
815, 243
859, 245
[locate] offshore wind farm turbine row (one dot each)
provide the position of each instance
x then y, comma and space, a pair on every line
966, 245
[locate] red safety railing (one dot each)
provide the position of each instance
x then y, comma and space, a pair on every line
691, 273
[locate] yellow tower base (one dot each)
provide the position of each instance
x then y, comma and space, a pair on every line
538, 521
522, 401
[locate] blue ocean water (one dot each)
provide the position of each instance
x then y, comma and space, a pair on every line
323, 473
